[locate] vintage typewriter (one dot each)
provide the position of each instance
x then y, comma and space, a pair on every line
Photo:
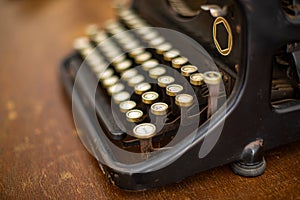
175, 87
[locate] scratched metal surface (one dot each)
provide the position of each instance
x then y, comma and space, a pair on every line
41, 156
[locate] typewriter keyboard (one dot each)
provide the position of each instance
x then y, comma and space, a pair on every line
147, 88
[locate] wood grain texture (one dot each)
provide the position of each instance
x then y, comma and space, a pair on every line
41, 157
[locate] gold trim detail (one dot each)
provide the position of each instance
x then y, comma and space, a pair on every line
227, 50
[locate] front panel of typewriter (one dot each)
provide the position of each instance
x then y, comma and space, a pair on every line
160, 93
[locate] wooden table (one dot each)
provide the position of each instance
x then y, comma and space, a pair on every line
41, 157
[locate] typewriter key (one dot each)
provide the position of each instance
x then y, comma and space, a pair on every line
178, 62
141, 88
162, 48
126, 39
115, 30
128, 74
143, 57
88, 51
106, 74
149, 97
150, 64
144, 31
110, 81
159, 114
118, 59
108, 47
112, 24
173, 89
99, 68
121, 96
131, 45
111, 55
187, 70
136, 80
150, 35
197, 79
135, 21
81, 43
91, 30
128, 16
93, 59
156, 72
122, 35
124, 12
145, 132
124, 65
135, 52
184, 100
125, 106
100, 37
212, 79
114, 89
134, 115
140, 25
169, 55
131, 19
93, 64
156, 42
163, 81
159, 108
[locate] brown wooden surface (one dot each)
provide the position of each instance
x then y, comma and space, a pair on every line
41, 157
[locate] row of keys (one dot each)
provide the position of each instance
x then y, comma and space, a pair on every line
121, 75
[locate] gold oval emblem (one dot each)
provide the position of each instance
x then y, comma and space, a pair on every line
221, 21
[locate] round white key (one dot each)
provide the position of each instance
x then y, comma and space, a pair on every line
149, 97
134, 115
143, 57
156, 72
121, 96
110, 81
142, 87
144, 131
163, 81
169, 55
106, 74
178, 62
212, 77
149, 64
125, 106
184, 100
174, 89
128, 74
136, 80
197, 79
115, 88
159, 108
187, 70
124, 65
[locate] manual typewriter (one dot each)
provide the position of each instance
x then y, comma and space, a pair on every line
175, 87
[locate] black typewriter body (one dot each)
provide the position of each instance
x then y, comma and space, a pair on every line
255, 45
